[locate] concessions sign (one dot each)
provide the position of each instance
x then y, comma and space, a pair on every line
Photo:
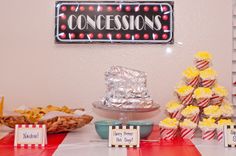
126, 22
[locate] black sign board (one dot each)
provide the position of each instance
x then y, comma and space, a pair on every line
126, 22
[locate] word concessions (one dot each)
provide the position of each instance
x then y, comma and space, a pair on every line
140, 22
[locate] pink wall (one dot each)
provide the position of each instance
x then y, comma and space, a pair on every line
35, 71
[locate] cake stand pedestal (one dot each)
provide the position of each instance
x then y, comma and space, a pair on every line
123, 112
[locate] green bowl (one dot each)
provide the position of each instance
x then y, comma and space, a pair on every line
102, 127
145, 127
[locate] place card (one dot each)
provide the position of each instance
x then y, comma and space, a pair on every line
230, 135
30, 136
124, 136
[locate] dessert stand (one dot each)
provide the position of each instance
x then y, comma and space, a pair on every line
126, 92
123, 112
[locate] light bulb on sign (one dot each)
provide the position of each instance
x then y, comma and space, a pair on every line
179, 43
77, 8
169, 50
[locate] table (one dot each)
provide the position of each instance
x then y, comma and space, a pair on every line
86, 142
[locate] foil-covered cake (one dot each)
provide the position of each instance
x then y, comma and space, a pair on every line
126, 88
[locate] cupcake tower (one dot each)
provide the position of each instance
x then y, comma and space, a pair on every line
201, 102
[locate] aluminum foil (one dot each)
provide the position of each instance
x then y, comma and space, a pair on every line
126, 88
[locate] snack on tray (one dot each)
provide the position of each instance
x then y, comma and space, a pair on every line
203, 96
57, 119
191, 112
169, 128
187, 129
208, 77
185, 93
11, 121
65, 123
191, 76
219, 93
208, 127
202, 60
174, 109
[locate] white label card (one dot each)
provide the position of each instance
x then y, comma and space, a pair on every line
125, 136
230, 136
28, 135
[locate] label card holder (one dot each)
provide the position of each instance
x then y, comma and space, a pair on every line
230, 136
124, 136
30, 136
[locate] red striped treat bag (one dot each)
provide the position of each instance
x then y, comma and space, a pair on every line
226, 109
219, 93
208, 127
202, 60
174, 109
208, 77
212, 111
202, 96
220, 126
187, 129
191, 76
169, 127
185, 94
191, 112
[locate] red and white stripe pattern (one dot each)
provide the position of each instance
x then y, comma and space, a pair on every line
193, 82
168, 134
216, 99
203, 102
208, 135
176, 114
220, 135
202, 64
195, 118
187, 133
208, 83
186, 100
29, 145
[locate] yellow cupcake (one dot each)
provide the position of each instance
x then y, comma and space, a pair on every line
173, 106
207, 123
220, 91
212, 111
190, 111
202, 92
184, 90
169, 123
187, 124
226, 109
191, 72
223, 122
203, 55
208, 74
